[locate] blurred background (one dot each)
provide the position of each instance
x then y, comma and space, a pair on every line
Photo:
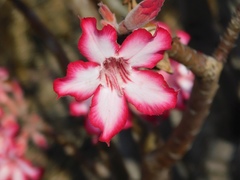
39, 37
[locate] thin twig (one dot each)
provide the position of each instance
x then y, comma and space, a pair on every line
229, 37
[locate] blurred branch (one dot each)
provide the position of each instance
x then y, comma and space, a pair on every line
207, 71
229, 37
48, 38
199, 63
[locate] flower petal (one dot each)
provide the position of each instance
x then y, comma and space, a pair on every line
5, 170
144, 50
92, 130
96, 45
28, 169
79, 108
109, 112
184, 37
17, 174
81, 81
149, 93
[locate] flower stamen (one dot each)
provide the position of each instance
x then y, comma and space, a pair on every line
115, 73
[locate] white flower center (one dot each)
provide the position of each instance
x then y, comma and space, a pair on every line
115, 73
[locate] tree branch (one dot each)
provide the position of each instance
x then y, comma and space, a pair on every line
207, 70
229, 37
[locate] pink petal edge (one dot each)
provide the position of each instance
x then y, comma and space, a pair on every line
149, 93
97, 45
144, 50
108, 112
81, 81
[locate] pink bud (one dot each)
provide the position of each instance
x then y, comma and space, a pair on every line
108, 16
142, 14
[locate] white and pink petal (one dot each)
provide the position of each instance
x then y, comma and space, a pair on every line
141, 49
149, 93
108, 112
17, 174
28, 169
91, 130
81, 81
97, 45
5, 171
79, 108
184, 37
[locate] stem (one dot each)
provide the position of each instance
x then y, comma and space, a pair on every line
229, 37
199, 63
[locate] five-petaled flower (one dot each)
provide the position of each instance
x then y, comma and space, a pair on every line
116, 74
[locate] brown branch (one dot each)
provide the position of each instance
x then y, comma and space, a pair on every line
200, 64
229, 37
204, 89
48, 38
207, 71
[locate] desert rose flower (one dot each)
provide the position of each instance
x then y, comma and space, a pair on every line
13, 166
8, 126
113, 76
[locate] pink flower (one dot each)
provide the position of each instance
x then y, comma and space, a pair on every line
184, 37
8, 126
113, 76
181, 78
13, 166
